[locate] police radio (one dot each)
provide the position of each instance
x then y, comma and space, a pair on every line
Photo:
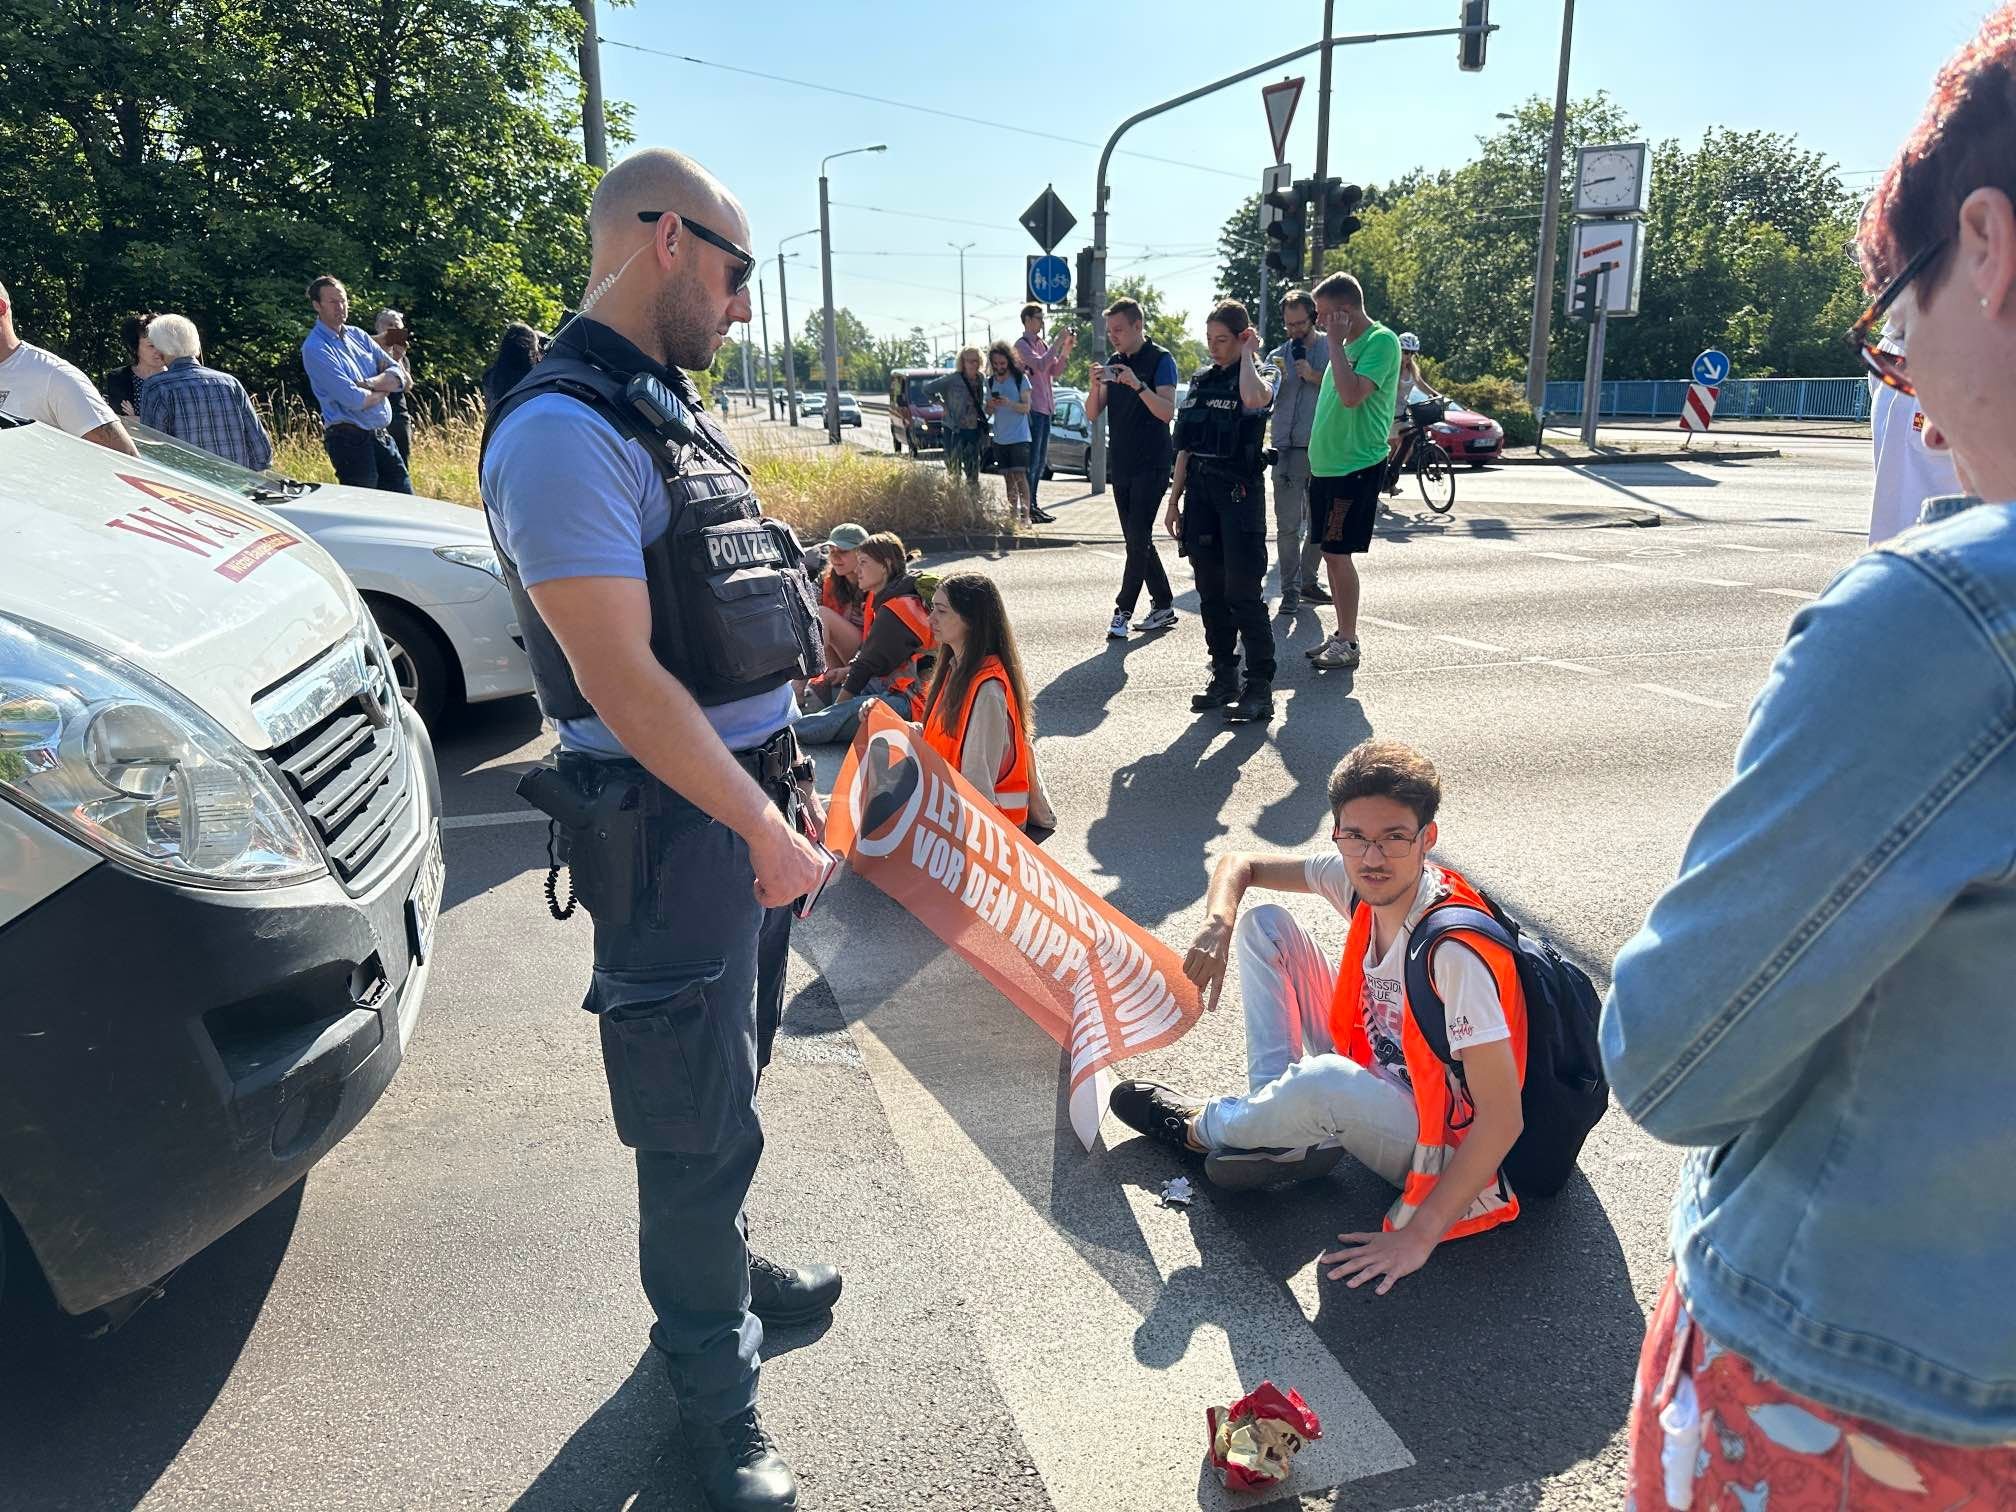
662, 410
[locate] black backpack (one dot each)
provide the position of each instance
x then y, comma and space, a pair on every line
1565, 1092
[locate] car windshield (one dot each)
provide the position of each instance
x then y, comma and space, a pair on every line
917, 393
178, 456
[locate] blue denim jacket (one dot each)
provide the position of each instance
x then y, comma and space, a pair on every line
1825, 1000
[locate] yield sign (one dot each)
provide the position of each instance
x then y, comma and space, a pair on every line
1280, 100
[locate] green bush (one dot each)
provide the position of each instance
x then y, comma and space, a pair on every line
1502, 400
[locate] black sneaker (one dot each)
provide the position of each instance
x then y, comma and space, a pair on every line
786, 1295
1150, 1108
1220, 691
1244, 1170
738, 1467
1316, 593
1255, 705
1042, 516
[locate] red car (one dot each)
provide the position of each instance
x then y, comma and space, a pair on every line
1469, 437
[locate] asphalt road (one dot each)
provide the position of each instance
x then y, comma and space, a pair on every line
447, 1313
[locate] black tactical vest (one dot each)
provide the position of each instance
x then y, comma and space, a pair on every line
732, 612
1140, 440
1224, 441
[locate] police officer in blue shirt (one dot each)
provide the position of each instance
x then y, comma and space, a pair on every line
1220, 458
666, 620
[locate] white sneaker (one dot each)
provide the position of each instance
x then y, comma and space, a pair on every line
1160, 619
1120, 627
1335, 654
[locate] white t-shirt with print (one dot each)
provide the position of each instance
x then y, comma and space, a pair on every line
39, 385
1471, 1009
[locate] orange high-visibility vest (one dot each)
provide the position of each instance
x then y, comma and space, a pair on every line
1011, 783
1442, 1108
906, 681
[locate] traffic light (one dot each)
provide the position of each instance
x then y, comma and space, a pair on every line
1470, 46
1582, 295
1340, 222
1288, 230
1083, 282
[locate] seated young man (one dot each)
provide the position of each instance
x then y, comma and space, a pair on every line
1336, 1061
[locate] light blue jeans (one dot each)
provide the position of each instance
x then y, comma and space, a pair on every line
1300, 1091
835, 724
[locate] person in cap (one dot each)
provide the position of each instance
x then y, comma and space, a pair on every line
841, 601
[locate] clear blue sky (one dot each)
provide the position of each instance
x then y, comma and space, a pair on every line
1848, 77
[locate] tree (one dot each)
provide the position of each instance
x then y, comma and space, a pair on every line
1167, 328
1242, 250
211, 156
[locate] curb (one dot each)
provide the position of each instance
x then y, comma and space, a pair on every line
1712, 454
941, 543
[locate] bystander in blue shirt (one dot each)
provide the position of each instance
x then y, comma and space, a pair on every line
206, 408
337, 362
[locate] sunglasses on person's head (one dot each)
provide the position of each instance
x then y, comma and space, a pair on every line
1867, 333
739, 279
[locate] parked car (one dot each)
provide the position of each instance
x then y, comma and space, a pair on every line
850, 410
1469, 437
426, 569
1070, 435
916, 419
222, 865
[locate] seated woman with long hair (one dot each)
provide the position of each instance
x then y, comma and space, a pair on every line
977, 714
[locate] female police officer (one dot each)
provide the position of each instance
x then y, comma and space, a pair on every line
1219, 462
620, 513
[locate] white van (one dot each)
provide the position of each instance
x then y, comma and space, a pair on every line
220, 864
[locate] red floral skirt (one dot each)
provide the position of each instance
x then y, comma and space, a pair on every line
1710, 1434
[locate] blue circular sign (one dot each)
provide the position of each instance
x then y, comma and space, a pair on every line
1711, 367
1049, 279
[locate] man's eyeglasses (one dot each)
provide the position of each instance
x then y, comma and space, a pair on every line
1392, 847
739, 279
1866, 333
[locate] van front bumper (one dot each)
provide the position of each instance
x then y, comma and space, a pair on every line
177, 1057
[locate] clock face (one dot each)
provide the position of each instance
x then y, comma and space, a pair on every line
1608, 180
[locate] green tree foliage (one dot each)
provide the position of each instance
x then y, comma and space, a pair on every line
211, 156
1167, 328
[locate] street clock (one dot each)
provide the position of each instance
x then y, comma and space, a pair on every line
1611, 180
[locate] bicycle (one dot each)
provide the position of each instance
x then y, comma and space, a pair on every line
1425, 457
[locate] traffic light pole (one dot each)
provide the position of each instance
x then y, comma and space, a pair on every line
1097, 287
1322, 206
1592, 377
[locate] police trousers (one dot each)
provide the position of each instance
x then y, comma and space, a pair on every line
1225, 533
687, 993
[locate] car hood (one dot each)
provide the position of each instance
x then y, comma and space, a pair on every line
1457, 415
387, 516
203, 589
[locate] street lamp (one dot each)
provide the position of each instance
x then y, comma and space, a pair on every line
784, 305
962, 250
832, 353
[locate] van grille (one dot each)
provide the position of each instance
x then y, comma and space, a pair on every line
351, 773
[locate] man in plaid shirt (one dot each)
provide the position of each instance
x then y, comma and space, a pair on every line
198, 404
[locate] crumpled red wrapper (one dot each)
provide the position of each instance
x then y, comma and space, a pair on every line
1254, 1440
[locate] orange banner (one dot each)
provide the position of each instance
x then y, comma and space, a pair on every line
1095, 981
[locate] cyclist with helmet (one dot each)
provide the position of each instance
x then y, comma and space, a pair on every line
1412, 389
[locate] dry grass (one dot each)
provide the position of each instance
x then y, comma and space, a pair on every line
813, 488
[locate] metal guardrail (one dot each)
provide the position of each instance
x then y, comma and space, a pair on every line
1741, 398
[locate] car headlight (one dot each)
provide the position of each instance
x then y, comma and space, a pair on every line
133, 770
482, 558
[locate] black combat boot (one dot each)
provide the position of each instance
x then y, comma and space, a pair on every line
786, 1295
738, 1467
1220, 691
1255, 705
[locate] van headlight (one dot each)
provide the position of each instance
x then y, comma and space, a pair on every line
130, 768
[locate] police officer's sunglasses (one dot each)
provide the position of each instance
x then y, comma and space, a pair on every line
739, 279
1867, 333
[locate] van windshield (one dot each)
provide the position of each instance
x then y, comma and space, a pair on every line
917, 393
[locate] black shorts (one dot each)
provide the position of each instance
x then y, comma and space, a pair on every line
1348, 507
1011, 456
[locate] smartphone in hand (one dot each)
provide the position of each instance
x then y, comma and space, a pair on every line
803, 908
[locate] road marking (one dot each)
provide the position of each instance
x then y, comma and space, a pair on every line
1714, 582
1692, 698
1121, 1311
1367, 619
1569, 666
479, 821
1632, 567
1563, 556
1493, 541
1457, 640
1760, 550
1114, 556
1791, 593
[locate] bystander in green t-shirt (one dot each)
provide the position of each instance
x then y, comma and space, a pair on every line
1345, 439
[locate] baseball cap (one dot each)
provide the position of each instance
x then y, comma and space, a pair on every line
848, 537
